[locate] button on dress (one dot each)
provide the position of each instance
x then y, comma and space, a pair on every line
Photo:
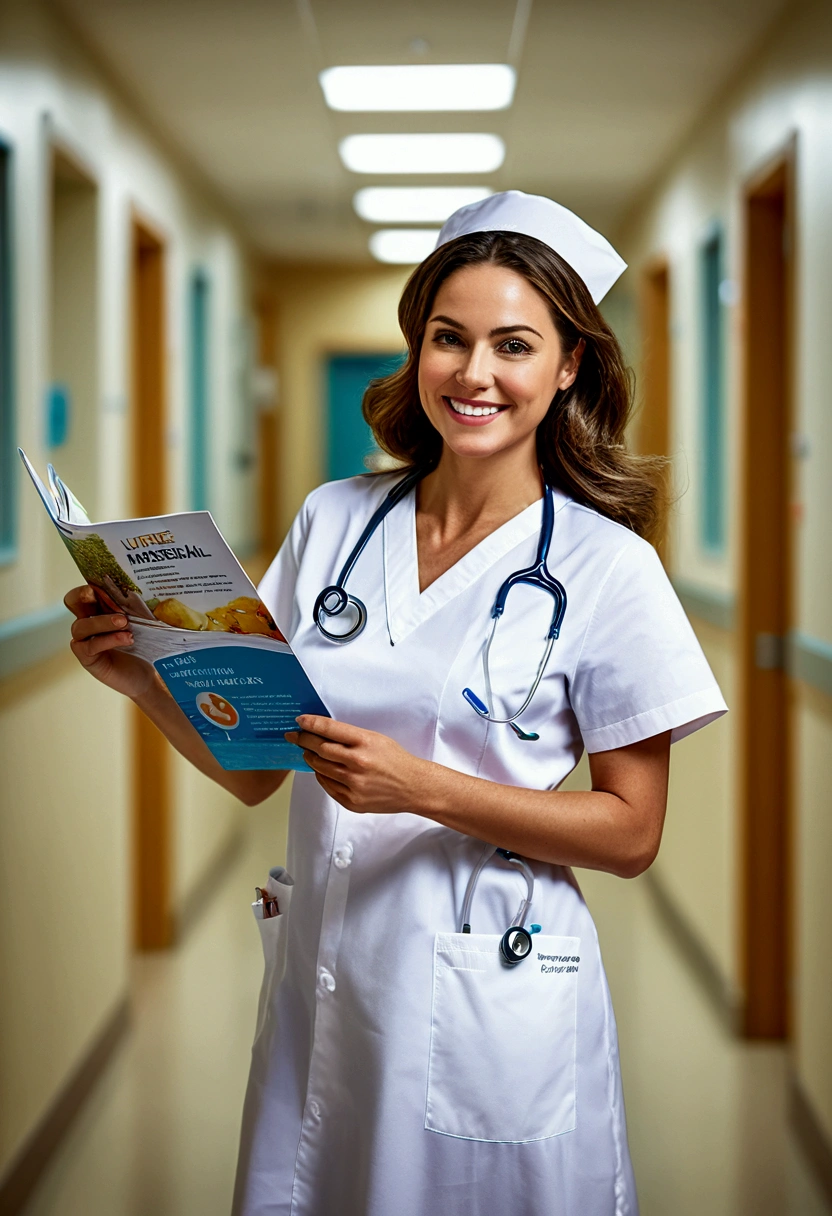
399, 1069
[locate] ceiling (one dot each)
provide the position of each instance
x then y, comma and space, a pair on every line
606, 90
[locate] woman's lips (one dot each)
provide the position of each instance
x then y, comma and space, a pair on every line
474, 419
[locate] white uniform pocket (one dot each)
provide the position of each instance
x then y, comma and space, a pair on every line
502, 1049
273, 939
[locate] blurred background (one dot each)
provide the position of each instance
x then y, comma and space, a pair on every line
207, 214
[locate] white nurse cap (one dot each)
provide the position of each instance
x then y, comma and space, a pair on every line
588, 253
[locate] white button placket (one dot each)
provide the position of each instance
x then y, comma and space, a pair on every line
321, 1064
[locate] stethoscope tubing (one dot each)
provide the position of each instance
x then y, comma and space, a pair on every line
541, 667
516, 942
334, 600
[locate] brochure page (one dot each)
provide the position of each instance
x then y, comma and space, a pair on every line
197, 617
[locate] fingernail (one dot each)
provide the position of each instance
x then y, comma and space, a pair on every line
119, 621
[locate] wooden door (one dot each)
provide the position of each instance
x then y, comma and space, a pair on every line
653, 420
268, 436
765, 579
152, 828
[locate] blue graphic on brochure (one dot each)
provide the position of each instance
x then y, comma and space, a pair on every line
242, 700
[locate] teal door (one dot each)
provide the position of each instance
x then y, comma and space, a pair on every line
349, 439
199, 304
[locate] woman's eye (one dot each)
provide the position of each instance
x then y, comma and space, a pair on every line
515, 347
447, 339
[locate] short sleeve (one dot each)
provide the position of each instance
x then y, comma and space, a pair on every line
641, 670
277, 586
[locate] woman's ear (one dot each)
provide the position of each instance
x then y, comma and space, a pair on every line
571, 365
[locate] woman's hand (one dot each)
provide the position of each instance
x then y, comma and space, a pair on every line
361, 769
98, 639
615, 826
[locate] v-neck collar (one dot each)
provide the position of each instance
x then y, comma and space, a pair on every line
407, 607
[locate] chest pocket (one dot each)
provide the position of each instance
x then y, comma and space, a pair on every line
503, 1039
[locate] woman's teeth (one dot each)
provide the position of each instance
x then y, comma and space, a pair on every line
475, 411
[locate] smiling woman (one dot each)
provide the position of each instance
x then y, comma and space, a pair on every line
404, 1062
552, 365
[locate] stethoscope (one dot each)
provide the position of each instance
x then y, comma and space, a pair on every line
334, 600
516, 942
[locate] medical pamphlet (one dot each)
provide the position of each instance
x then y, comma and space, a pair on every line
196, 616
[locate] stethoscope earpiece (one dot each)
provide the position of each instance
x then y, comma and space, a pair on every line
515, 945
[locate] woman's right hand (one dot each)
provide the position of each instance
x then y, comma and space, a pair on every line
97, 641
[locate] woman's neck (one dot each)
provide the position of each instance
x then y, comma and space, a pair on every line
462, 494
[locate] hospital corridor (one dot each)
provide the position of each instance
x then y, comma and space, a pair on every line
208, 215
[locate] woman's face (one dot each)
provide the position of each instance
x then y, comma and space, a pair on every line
491, 361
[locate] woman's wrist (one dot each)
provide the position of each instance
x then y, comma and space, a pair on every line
438, 791
155, 694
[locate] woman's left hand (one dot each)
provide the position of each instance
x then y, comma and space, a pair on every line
361, 769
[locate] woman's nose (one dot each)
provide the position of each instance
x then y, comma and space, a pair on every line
475, 372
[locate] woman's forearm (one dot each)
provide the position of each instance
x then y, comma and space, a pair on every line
587, 828
250, 787
616, 826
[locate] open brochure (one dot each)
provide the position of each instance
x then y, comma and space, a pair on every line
196, 616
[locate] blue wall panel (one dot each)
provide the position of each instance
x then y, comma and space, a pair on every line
198, 304
712, 485
349, 439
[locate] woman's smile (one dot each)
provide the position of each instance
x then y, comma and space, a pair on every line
473, 413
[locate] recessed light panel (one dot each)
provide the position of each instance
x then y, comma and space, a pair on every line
475, 153
403, 246
415, 204
419, 86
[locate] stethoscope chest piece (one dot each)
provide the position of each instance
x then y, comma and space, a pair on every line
335, 602
515, 945
516, 942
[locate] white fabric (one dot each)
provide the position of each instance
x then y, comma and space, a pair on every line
367, 1100
273, 940
587, 252
479, 1007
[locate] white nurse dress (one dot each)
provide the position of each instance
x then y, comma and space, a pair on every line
399, 1069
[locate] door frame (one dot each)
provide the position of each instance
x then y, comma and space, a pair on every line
765, 602
152, 824
269, 431
657, 370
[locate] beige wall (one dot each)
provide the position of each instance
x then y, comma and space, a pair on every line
813, 899
698, 858
322, 312
784, 93
64, 890
65, 828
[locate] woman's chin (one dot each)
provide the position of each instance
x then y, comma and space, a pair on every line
479, 444
474, 446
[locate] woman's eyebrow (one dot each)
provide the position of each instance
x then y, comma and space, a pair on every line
512, 329
446, 321
502, 329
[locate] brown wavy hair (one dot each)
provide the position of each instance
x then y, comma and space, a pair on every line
580, 442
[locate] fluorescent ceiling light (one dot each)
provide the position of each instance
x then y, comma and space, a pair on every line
422, 153
403, 246
420, 86
415, 204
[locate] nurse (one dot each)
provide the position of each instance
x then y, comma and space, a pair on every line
401, 1066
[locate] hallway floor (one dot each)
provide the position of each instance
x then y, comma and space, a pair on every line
707, 1114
